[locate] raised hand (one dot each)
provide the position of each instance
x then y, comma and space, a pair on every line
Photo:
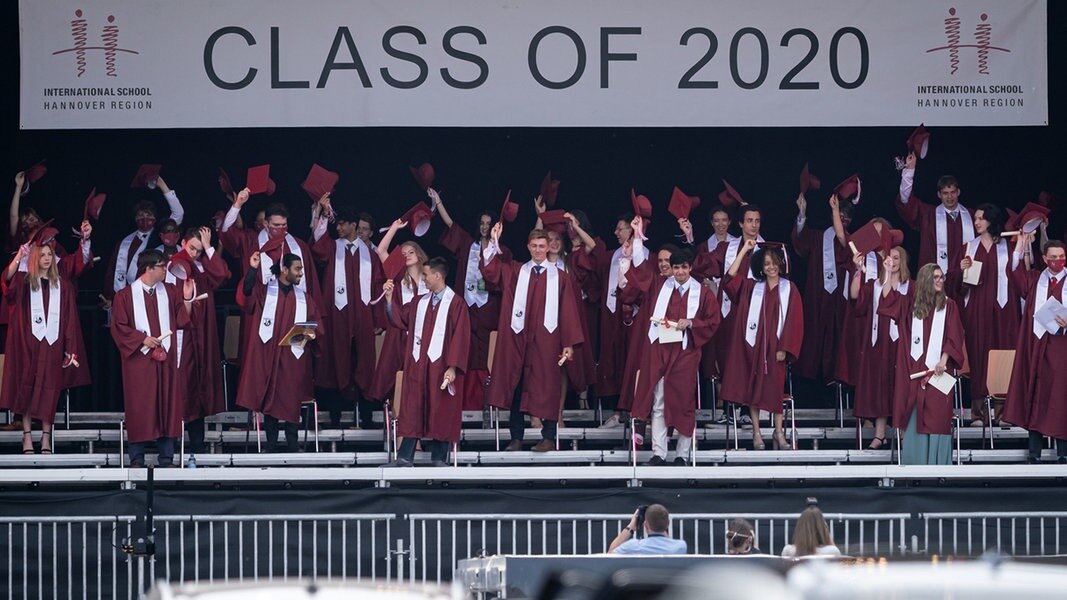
495, 233
86, 229
802, 205
835, 203
909, 162
539, 204
205, 237
20, 179
254, 260
242, 197
435, 198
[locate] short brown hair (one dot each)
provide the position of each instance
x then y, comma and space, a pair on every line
657, 518
947, 181
1052, 244
537, 234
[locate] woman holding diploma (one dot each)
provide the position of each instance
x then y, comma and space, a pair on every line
990, 305
931, 342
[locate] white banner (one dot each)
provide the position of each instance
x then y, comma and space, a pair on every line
527, 63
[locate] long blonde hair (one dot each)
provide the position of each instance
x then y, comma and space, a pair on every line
420, 255
905, 272
927, 299
33, 268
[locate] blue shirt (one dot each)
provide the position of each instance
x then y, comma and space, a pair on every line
655, 543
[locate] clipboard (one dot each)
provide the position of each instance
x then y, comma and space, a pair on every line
298, 329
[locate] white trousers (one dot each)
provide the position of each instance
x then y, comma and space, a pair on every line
659, 428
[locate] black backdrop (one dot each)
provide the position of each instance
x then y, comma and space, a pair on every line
597, 166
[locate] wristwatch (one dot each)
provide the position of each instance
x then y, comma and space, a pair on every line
628, 528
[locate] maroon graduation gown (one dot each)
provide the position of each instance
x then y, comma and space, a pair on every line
531, 355
71, 268
33, 373
753, 377
581, 370
922, 217
205, 396
391, 359
932, 408
986, 325
824, 312
1037, 395
874, 365
341, 367
677, 367
154, 392
273, 380
427, 411
638, 351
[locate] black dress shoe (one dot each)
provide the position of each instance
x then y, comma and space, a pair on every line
1034, 460
514, 446
680, 462
656, 461
441, 463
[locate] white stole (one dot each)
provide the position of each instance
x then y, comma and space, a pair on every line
732, 248
140, 314
670, 286
340, 274
124, 262
894, 331
270, 309
522, 288
437, 337
829, 261
1002, 270
1040, 296
267, 262
755, 309
471, 294
941, 231
640, 253
937, 338
407, 294
713, 242
45, 326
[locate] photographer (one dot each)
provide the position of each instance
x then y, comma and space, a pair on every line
655, 521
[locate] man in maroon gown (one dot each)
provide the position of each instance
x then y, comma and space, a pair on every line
1036, 395
436, 353
667, 384
276, 379
538, 330
351, 273
198, 260
943, 229
144, 316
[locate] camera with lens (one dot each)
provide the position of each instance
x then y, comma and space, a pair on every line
812, 502
640, 523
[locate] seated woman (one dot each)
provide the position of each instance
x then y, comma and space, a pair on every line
741, 538
811, 536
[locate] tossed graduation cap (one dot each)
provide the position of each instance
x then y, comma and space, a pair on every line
729, 197
556, 220
319, 181
919, 141
1031, 216
866, 239
224, 182
274, 248
181, 264
45, 234
423, 174
418, 219
508, 210
808, 181
32, 175
890, 239
258, 180
641, 204
682, 205
146, 176
93, 205
394, 263
851, 187
549, 190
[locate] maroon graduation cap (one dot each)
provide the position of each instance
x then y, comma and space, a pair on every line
556, 220
1031, 216
641, 205
319, 181
45, 234
890, 239
919, 141
93, 204
549, 190
780, 248
681, 205
181, 264
394, 263
808, 181
423, 174
146, 176
258, 180
729, 197
274, 248
866, 239
850, 187
509, 210
418, 219
32, 175
224, 182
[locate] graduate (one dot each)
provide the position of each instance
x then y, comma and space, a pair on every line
932, 343
667, 385
539, 327
767, 334
1036, 395
275, 380
198, 260
145, 317
436, 352
43, 341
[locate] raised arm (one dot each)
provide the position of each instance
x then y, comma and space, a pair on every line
908, 206
387, 239
745, 250
177, 212
839, 226
587, 240
13, 215
436, 200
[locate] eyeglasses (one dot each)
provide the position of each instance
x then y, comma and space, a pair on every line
159, 266
939, 277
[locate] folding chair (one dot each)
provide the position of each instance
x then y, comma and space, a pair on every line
231, 346
997, 380
392, 415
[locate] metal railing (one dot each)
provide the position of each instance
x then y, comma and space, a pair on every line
1013, 533
438, 541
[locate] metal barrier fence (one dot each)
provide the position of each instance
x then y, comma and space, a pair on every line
439, 541
81, 557
972, 533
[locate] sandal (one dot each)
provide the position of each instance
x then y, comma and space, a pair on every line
758, 445
780, 443
47, 450
26, 450
880, 441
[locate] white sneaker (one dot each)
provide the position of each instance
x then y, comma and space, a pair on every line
746, 422
612, 423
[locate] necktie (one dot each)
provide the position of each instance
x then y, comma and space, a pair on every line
953, 215
151, 291
349, 247
538, 269
435, 299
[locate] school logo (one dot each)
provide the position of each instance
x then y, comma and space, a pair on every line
106, 44
981, 42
